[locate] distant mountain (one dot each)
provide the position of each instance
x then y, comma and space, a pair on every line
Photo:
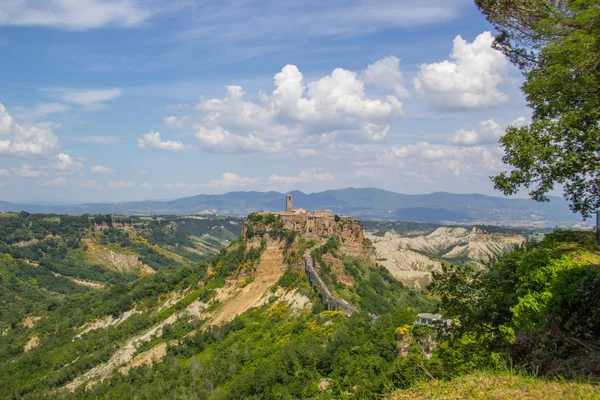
367, 203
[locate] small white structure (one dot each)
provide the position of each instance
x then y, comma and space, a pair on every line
429, 319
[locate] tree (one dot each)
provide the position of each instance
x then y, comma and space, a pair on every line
556, 44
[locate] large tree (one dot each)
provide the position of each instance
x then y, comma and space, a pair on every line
556, 44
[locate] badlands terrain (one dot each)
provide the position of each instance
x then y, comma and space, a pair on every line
412, 255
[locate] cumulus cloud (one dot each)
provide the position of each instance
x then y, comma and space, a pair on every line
175, 122
334, 107
116, 185
88, 99
73, 15
469, 80
28, 171
4, 172
306, 175
490, 132
147, 185
428, 161
67, 164
25, 140
60, 181
99, 169
519, 122
386, 74
230, 180
152, 141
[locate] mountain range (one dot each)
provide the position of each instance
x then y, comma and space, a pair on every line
364, 203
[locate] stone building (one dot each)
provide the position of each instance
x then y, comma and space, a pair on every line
319, 223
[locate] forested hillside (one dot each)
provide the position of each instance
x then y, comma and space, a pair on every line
247, 323
45, 258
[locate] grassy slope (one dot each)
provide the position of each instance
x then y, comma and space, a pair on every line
485, 385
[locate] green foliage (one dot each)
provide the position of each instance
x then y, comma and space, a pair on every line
179, 234
548, 289
272, 353
557, 46
375, 290
574, 304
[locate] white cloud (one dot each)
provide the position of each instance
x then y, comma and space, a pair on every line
60, 181
95, 139
386, 74
147, 185
88, 99
151, 141
99, 169
470, 80
116, 185
306, 175
465, 137
25, 140
490, 132
28, 171
73, 15
230, 180
4, 172
334, 108
437, 164
41, 110
519, 122
219, 140
141, 172
338, 97
67, 164
175, 122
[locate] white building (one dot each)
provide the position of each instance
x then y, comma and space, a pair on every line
429, 319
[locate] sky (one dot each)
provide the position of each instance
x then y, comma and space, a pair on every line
106, 100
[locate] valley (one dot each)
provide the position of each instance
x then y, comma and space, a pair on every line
220, 307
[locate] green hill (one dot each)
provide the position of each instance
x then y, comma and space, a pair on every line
247, 323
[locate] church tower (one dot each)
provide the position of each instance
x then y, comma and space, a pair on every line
288, 203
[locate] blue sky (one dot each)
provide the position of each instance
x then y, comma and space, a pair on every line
128, 100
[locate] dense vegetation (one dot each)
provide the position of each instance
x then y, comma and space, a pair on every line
537, 307
42, 256
556, 45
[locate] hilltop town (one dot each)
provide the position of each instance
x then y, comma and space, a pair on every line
319, 223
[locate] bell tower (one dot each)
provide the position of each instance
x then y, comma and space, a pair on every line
288, 203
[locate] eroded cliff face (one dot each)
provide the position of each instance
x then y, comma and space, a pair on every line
454, 242
413, 259
253, 283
